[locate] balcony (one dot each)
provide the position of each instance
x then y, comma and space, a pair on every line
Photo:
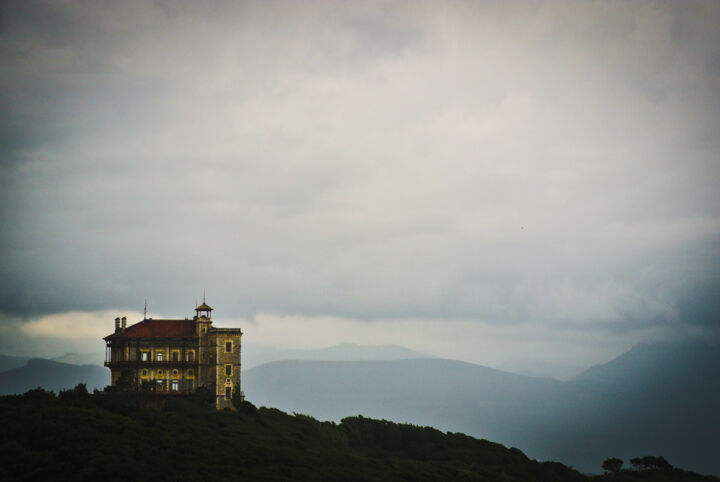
150, 363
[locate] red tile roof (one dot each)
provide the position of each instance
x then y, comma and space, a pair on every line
161, 328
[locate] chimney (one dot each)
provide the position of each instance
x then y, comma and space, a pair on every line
117, 324
124, 322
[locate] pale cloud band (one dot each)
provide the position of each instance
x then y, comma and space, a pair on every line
531, 347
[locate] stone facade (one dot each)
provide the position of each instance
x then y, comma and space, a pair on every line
175, 357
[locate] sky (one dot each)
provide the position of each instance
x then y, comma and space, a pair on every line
526, 185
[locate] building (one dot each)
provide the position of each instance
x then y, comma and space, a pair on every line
175, 357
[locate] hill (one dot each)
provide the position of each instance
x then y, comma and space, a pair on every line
115, 436
94, 358
657, 398
449, 394
8, 362
654, 399
52, 376
660, 396
651, 365
255, 355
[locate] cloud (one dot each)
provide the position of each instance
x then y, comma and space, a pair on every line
562, 350
72, 325
493, 163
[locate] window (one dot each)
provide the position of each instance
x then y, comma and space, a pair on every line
144, 356
175, 372
228, 393
160, 373
228, 346
175, 386
144, 373
191, 356
175, 356
159, 356
228, 370
159, 386
190, 373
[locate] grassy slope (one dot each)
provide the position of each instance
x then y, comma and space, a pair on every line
110, 437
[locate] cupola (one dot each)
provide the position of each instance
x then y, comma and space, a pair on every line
203, 310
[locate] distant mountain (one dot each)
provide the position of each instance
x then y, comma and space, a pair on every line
656, 399
660, 395
254, 355
448, 394
94, 358
9, 362
654, 364
53, 376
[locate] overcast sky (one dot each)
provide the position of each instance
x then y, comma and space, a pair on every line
514, 184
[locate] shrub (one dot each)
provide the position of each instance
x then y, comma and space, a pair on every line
79, 392
650, 462
203, 397
246, 407
612, 465
38, 394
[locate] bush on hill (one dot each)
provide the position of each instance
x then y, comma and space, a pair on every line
123, 435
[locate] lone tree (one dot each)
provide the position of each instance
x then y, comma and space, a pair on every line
612, 465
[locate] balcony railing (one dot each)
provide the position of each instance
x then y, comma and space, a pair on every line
164, 363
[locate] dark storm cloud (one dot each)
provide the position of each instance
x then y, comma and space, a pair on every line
549, 162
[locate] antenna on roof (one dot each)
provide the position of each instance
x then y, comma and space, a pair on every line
203, 295
145, 312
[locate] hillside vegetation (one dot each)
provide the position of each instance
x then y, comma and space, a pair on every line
658, 398
51, 375
128, 436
